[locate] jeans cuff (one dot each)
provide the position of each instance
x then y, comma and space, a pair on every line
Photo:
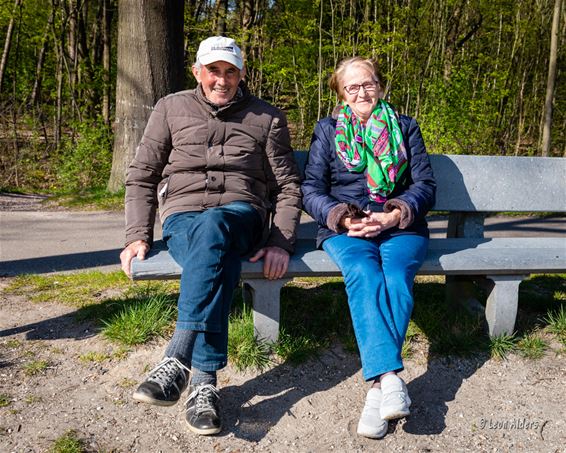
209, 366
391, 365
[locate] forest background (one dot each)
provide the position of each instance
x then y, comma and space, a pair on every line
78, 77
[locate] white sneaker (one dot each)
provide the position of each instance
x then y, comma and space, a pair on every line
395, 400
371, 423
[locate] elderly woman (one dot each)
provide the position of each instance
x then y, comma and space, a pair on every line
369, 185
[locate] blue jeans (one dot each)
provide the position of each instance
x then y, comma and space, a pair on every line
378, 274
208, 246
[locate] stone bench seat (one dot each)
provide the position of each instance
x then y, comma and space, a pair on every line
468, 187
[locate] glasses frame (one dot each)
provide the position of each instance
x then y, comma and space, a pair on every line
369, 89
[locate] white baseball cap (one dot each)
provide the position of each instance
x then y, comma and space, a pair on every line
220, 48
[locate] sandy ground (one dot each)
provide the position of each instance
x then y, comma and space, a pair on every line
473, 404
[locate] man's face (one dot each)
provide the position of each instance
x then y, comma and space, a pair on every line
219, 81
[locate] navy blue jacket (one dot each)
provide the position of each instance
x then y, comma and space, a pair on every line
328, 182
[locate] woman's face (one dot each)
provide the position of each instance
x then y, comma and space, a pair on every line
360, 90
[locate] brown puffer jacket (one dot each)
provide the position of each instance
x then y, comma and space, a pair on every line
194, 156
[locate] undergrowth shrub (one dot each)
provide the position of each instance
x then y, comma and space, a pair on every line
86, 160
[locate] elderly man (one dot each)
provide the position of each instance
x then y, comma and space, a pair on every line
218, 163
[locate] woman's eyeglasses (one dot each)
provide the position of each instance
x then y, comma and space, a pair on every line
369, 87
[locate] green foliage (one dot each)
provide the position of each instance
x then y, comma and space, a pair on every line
86, 160
473, 73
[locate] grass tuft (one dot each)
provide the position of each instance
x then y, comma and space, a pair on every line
94, 357
557, 323
142, 321
532, 346
5, 399
244, 349
68, 443
502, 345
35, 367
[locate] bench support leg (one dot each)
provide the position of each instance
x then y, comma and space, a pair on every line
266, 305
502, 302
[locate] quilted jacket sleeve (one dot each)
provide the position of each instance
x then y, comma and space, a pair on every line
143, 176
286, 193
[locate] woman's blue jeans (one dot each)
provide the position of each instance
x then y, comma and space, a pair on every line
378, 274
208, 246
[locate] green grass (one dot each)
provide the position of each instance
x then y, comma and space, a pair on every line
244, 349
93, 357
93, 200
13, 343
35, 367
141, 322
532, 346
5, 400
68, 443
556, 321
502, 345
76, 290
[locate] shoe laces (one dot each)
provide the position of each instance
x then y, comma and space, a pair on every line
166, 371
205, 396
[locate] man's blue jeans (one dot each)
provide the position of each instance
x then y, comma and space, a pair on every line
378, 274
208, 246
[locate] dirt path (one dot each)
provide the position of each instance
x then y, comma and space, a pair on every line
458, 404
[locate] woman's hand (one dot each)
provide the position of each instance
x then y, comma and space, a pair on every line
372, 225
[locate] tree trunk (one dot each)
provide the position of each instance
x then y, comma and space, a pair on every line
547, 127
220, 17
150, 65
247, 11
106, 58
8, 42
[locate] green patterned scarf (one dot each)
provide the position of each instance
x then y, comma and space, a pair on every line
377, 145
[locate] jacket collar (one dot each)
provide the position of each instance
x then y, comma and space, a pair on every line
241, 98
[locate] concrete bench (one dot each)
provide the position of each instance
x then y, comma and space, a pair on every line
469, 187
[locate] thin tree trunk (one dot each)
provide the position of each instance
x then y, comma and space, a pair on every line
8, 42
106, 58
150, 66
41, 59
220, 17
547, 127
14, 103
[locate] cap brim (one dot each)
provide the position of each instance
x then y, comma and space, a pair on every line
222, 56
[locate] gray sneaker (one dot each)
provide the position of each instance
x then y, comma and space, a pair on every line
202, 410
165, 383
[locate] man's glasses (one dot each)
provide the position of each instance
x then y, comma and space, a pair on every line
369, 87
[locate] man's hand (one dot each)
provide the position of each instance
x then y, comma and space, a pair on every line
135, 249
275, 261
373, 224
